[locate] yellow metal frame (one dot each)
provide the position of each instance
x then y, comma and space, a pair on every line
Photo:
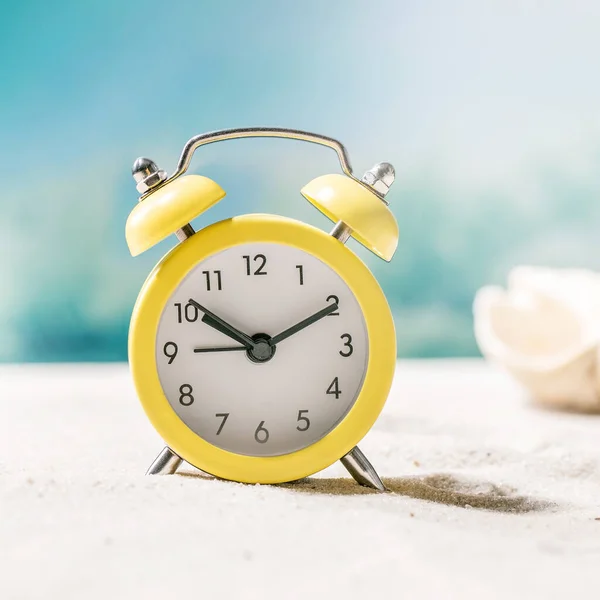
142, 351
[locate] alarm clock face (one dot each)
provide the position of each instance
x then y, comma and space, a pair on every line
273, 398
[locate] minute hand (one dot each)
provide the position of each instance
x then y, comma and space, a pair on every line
302, 324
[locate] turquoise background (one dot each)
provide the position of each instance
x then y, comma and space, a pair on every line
490, 112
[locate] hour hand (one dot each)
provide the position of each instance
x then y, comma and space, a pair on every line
219, 324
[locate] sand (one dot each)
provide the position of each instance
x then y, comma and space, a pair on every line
490, 497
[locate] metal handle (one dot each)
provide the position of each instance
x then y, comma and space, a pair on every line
248, 132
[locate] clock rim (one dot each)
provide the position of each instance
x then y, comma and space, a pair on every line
157, 290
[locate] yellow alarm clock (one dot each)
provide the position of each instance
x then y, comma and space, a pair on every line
262, 349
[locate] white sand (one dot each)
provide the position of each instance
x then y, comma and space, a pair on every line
80, 520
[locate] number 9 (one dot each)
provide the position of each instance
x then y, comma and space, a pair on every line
170, 355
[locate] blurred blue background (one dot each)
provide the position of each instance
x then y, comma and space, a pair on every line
490, 112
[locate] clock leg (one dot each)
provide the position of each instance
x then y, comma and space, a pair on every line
165, 463
362, 470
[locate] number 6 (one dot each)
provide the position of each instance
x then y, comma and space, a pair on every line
258, 430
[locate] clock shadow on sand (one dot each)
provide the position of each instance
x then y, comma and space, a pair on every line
441, 488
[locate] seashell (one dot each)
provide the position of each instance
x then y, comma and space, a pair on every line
544, 329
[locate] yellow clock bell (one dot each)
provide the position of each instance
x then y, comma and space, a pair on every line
262, 349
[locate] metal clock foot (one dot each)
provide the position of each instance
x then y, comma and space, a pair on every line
165, 463
362, 470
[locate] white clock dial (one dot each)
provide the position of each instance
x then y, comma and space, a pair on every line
265, 401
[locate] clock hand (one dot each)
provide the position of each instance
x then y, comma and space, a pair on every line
216, 325
302, 324
228, 349
220, 325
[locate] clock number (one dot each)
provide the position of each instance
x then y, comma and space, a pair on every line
301, 273
170, 355
223, 416
186, 397
207, 274
264, 437
334, 388
337, 301
347, 344
259, 270
190, 312
303, 419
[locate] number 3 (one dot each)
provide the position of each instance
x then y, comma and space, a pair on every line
347, 344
